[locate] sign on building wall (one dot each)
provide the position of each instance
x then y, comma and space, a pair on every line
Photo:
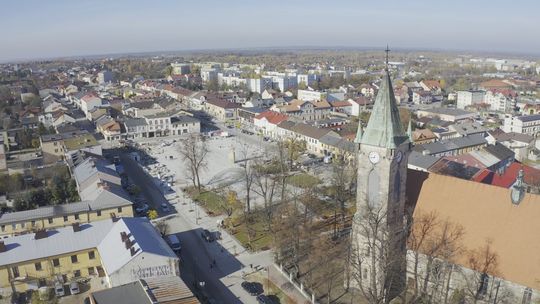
152, 271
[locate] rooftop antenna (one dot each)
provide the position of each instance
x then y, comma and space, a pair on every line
386, 61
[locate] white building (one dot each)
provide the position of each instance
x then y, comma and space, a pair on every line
469, 98
308, 95
258, 85
105, 77
500, 101
181, 68
307, 79
526, 124
208, 74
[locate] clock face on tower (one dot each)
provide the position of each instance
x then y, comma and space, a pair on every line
374, 157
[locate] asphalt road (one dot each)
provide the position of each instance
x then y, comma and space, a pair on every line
196, 253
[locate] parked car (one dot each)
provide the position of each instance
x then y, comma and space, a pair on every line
207, 235
165, 207
174, 242
142, 208
253, 288
74, 288
264, 299
59, 290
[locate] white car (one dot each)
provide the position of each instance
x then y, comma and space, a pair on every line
59, 290
74, 288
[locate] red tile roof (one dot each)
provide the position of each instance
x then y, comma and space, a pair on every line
272, 117
505, 180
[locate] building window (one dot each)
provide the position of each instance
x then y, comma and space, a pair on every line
119, 209
13, 226
527, 295
98, 213
33, 223
483, 284
77, 273
91, 255
38, 266
74, 259
91, 271
3, 228
56, 262
65, 218
76, 216
15, 271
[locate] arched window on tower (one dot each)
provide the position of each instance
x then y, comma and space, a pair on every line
373, 189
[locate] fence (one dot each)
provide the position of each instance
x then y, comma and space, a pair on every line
309, 295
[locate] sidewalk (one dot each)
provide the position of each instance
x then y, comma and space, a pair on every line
281, 281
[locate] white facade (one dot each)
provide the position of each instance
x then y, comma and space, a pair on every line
499, 102
469, 98
529, 124
308, 95
143, 266
307, 79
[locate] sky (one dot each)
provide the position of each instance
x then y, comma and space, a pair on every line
54, 28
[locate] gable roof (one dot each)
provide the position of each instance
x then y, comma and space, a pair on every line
272, 117
486, 213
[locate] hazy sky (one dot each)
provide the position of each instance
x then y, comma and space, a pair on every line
51, 28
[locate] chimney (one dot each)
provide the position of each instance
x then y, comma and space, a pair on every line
3, 247
123, 236
40, 234
76, 227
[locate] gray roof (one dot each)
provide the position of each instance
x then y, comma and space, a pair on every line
103, 235
106, 200
135, 122
93, 166
184, 119
384, 128
130, 293
419, 160
338, 142
527, 118
447, 111
453, 144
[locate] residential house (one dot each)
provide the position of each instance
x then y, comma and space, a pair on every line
469, 98
453, 146
118, 250
525, 124
422, 97
520, 144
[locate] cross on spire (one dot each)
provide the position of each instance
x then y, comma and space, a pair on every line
386, 61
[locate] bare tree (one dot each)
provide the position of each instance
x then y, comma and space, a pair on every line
377, 259
483, 262
248, 176
194, 151
163, 228
434, 244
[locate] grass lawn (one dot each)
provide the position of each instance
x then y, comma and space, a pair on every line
209, 200
261, 239
303, 180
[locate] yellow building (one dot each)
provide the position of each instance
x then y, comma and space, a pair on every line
109, 201
120, 250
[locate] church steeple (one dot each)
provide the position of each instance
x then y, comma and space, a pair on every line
384, 128
358, 137
409, 130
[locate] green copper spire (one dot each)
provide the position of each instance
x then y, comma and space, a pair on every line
358, 133
384, 128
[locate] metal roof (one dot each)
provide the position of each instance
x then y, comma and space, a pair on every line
384, 128
103, 235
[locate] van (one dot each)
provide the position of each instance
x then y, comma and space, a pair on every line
174, 242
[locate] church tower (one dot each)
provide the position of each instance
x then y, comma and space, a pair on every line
379, 235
